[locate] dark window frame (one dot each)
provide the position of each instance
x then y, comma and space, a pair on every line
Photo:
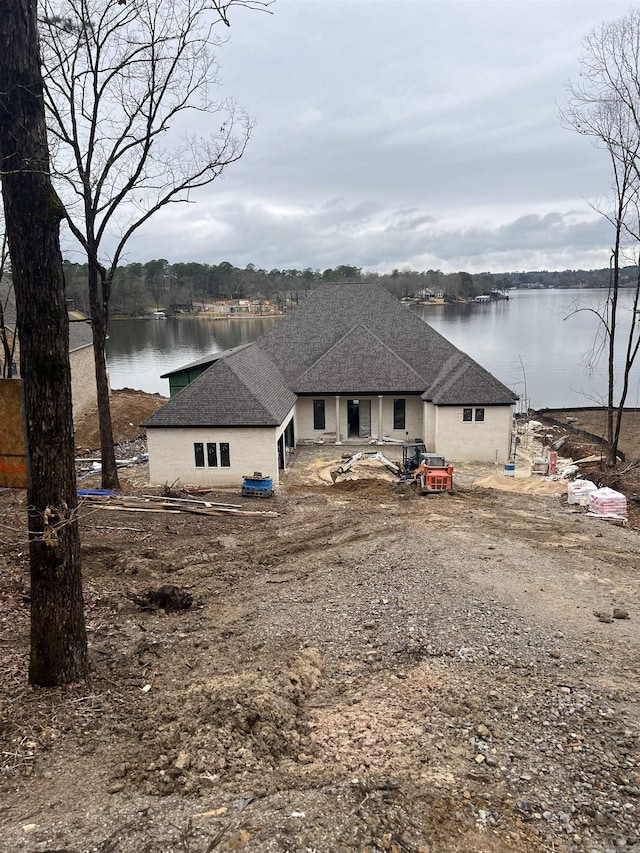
479, 415
467, 415
400, 413
225, 455
319, 415
212, 454
198, 453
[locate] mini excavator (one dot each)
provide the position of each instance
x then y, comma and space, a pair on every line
428, 472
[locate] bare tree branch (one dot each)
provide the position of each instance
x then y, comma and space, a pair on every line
605, 106
125, 85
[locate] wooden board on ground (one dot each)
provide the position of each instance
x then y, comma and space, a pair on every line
156, 503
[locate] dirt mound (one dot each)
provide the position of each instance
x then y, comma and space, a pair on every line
524, 485
575, 447
594, 422
237, 724
129, 409
365, 487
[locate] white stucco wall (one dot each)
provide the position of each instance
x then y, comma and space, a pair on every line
304, 418
83, 381
429, 432
474, 441
285, 423
171, 455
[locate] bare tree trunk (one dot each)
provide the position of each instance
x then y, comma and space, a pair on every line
613, 321
99, 327
633, 345
32, 215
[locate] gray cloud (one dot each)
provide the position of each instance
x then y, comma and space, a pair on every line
402, 134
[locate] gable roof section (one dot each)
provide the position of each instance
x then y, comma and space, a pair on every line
204, 362
462, 381
243, 389
305, 346
343, 339
80, 334
359, 363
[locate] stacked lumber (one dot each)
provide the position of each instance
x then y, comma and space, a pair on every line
156, 503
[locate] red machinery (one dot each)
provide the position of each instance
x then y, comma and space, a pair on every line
433, 478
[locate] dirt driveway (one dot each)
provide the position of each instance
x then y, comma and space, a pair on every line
367, 671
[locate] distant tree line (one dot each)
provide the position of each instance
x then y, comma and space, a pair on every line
157, 284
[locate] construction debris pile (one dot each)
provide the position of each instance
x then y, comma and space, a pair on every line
105, 500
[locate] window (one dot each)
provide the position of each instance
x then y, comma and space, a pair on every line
467, 414
198, 452
212, 456
479, 414
225, 461
399, 411
318, 414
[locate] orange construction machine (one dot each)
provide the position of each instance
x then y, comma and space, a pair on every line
428, 471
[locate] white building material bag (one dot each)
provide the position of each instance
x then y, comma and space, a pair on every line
607, 501
578, 491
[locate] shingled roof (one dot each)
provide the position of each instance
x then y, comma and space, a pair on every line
343, 339
205, 361
243, 389
358, 338
80, 334
347, 368
463, 382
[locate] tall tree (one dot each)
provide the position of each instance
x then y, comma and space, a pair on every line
122, 81
32, 217
605, 106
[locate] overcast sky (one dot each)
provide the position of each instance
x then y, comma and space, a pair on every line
417, 134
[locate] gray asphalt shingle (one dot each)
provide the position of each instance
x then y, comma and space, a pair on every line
244, 389
343, 339
334, 316
80, 334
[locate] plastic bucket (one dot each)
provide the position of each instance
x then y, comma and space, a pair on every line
509, 470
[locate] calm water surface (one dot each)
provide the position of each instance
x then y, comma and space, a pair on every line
540, 342
140, 351
529, 342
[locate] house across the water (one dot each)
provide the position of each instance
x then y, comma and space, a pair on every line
348, 365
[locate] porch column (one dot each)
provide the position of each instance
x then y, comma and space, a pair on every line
425, 426
338, 420
380, 430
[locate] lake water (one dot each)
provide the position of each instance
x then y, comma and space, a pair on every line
528, 342
140, 351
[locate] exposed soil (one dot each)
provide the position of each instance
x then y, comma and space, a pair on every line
625, 477
129, 409
594, 421
367, 671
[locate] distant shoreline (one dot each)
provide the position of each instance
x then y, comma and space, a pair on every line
204, 315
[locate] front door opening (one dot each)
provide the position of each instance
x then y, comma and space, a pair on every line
358, 418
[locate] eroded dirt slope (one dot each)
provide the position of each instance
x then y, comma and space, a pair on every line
129, 409
367, 671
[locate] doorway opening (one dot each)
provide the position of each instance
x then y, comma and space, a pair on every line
358, 418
